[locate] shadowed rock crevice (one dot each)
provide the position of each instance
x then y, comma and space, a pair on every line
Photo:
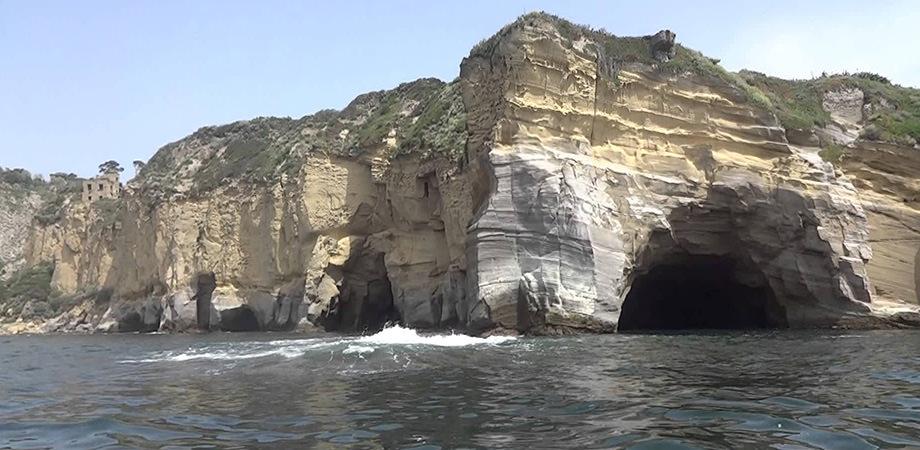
134, 322
204, 290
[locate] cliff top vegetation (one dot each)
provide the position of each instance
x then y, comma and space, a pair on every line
427, 117
894, 115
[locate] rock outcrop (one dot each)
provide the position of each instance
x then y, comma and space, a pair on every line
566, 181
886, 176
663, 45
18, 204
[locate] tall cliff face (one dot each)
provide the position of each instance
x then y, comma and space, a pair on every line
272, 223
870, 129
26, 200
18, 204
886, 176
608, 172
568, 180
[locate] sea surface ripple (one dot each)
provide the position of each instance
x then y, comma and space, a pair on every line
403, 389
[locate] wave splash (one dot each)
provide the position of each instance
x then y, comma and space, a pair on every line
391, 337
398, 335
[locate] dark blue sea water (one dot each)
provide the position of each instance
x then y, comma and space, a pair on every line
783, 390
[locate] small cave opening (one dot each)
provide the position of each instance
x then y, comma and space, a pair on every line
204, 289
700, 292
242, 318
131, 322
134, 322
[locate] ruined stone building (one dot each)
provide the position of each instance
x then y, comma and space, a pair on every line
102, 186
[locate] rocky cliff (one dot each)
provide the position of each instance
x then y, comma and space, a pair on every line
568, 180
20, 200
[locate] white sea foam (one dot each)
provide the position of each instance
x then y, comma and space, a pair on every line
230, 353
294, 348
359, 349
406, 336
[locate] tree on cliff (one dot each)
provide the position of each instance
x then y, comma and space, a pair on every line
62, 176
138, 166
20, 177
110, 167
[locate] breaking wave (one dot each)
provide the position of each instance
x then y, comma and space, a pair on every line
406, 336
391, 338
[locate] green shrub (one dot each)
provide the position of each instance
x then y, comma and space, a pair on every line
107, 210
895, 110
27, 284
383, 118
22, 178
399, 109
63, 303
52, 210
796, 104
872, 76
34, 309
440, 129
241, 157
32, 282
832, 153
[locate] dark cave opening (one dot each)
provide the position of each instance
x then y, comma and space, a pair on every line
134, 322
700, 292
204, 289
379, 310
131, 322
365, 302
239, 319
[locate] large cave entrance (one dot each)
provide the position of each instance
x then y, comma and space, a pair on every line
700, 292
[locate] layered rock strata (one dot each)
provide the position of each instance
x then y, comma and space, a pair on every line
564, 182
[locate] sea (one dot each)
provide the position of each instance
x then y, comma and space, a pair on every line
404, 389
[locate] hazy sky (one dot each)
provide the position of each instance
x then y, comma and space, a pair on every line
86, 81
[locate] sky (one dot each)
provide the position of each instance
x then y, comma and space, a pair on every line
82, 82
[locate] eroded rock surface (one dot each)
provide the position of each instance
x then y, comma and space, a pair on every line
544, 191
586, 172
